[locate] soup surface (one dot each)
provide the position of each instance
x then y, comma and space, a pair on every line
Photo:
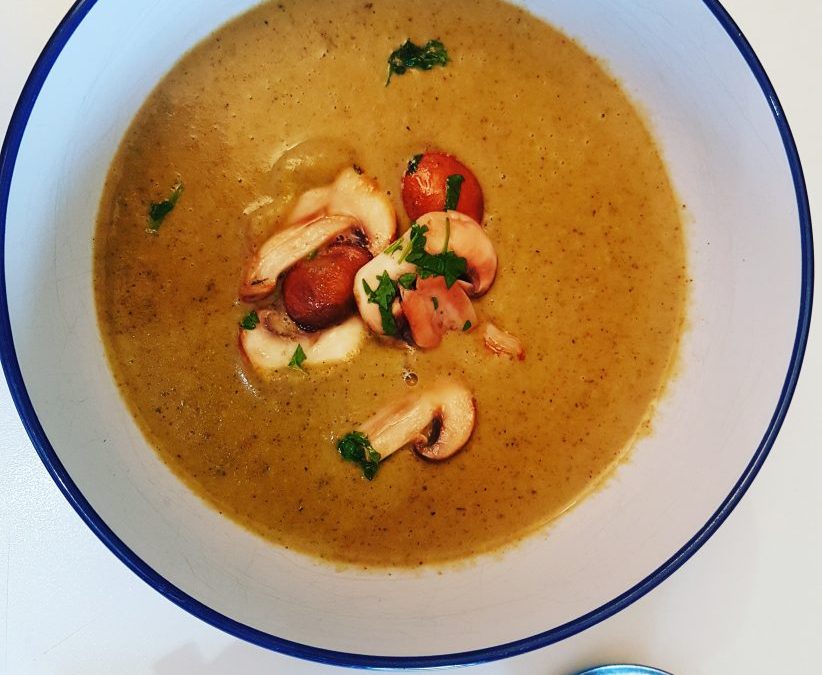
591, 273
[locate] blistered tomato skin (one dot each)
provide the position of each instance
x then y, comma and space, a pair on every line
318, 293
424, 186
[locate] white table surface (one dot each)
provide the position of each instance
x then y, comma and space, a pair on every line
750, 601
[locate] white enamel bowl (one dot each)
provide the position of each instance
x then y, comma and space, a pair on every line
732, 161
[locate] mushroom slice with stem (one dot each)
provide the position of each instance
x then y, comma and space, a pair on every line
269, 348
352, 203
436, 422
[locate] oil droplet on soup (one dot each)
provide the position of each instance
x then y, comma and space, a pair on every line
579, 207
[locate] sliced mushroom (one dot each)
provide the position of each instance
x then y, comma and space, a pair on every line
468, 240
432, 309
502, 343
352, 194
270, 346
436, 422
311, 205
370, 274
285, 249
351, 202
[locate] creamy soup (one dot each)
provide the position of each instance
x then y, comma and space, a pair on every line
579, 207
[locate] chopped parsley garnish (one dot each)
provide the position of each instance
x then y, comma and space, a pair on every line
407, 280
446, 264
158, 211
412, 165
383, 297
250, 320
410, 55
417, 231
313, 254
355, 447
453, 187
385, 292
436, 303
298, 359
466, 325
391, 250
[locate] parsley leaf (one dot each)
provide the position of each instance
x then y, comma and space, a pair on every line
453, 187
410, 55
447, 234
355, 447
385, 293
158, 211
446, 264
466, 325
250, 320
391, 250
416, 242
407, 280
389, 323
412, 165
383, 297
298, 359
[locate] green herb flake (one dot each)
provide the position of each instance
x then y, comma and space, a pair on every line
407, 281
410, 55
385, 292
383, 297
453, 187
298, 359
250, 320
414, 244
396, 246
436, 303
446, 264
158, 211
369, 469
447, 235
313, 254
466, 326
355, 447
411, 169
389, 323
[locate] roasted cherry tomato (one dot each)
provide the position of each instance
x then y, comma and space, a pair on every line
319, 292
425, 184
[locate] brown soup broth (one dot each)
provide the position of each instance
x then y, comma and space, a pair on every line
580, 209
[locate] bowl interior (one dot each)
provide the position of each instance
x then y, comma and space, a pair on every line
729, 166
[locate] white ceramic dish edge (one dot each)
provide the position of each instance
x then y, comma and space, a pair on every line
637, 582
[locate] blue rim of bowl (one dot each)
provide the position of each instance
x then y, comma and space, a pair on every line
8, 157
